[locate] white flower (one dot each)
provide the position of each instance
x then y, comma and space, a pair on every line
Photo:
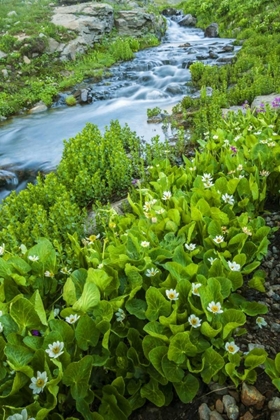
231, 347
22, 416
271, 144
233, 266
66, 270
33, 257
1, 327
154, 219
91, 239
247, 231
218, 239
215, 137
190, 247
195, 287
260, 321
228, 199
193, 169
38, 384
211, 260
23, 249
215, 308
145, 244
2, 249
166, 195
226, 143
172, 294
55, 349
151, 272
160, 211
208, 184
100, 266
72, 318
147, 206
56, 312
120, 315
264, 173
194, 321
206, 178
49, 274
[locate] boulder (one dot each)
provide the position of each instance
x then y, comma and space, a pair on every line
187, 20
212, 31
2, 55
39, 107
273, 100
91, 21
138, 23
170, 11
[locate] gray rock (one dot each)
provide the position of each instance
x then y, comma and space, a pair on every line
225, 59
12, 13
2, 54
26, 60
214, 415
5, 73
40, 107
137, 23
264, 99
204, 412
274, 404
231, 407
212, 31
2, 118
187, 20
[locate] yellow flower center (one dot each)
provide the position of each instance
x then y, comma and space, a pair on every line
194, 321
171, 295
56, 349
230, 348
215, 308
40, 382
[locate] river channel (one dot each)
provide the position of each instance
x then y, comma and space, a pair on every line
156, 77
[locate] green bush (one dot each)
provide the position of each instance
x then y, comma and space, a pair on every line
99, 168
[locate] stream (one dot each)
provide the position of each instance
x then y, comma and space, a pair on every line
156, 77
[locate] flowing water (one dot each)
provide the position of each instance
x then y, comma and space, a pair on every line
156, 77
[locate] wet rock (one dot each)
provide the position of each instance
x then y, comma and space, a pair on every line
274, 404
204, 412
213, 55
247, 416
275, 327
202, 56
40, 107
250, 396
225, 59
8, 179
5, 73
187, 20
231, 407
170, 11
212, 31
228, 48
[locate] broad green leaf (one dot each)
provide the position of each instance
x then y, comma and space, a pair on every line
277, 363
174, 215
180, 347
77, 375
119, 405
23, 313
46, 253
157, 304
155, 357
250, 267
19, 357
171, 370
187, 389
155, 329
64, 330
39, 307
150, 343
152, 392
69, 292
89, 298
100, 278
213, 363
86, 333
255, 358
254, 308
5, 269
209, 331
136, 307
231, 319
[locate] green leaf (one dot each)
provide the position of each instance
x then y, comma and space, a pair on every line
136, 307
5, 269
23, 313
69, 292
231, 320
157, 304
39, 307
155, 329
152, 392
89, 299
155, 357
86, 333
171, 370
213, 363
46, 253
254, 308
209, 331
255, 358
77, 375
174, 215
19, 357
187, 389
150, 343
180, 347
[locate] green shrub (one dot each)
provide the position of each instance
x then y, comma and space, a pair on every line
70, 100
98, 168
